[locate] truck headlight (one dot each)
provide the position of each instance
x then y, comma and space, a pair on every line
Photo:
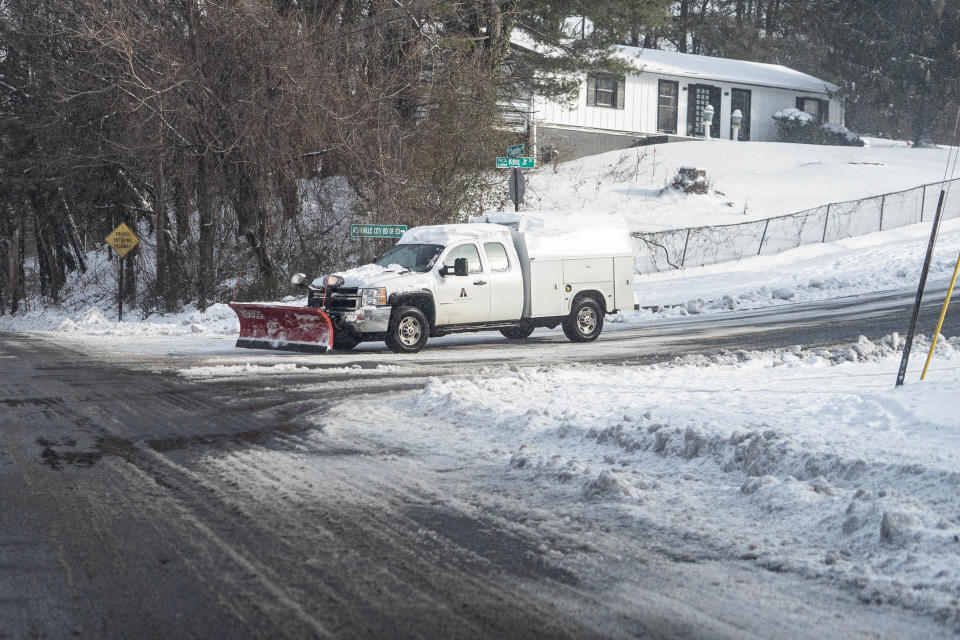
373, 297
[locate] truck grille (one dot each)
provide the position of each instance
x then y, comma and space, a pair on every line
338, 299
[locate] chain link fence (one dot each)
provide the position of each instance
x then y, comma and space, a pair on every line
698, 246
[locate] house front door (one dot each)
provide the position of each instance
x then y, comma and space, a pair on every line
740, 99
698, 97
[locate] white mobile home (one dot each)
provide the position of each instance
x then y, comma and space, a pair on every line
668, 96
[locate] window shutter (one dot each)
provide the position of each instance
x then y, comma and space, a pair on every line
621, 90
591, 91
824, 111
800, 104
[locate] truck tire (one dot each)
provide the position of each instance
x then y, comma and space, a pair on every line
343, 341
519, 332
584, 322
408, 330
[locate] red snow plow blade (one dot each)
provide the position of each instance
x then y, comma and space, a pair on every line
264, 326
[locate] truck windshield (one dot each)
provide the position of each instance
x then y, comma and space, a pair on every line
416, 257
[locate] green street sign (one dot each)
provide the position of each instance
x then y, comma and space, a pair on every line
377, 230
523, 162
515, 151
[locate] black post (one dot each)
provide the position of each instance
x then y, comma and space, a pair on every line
826, 221
923, 201
923, 283
764, 236
120, 297
515, 179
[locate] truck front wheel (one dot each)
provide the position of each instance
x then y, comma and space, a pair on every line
343, 341
408, 330
519, 332
584, 322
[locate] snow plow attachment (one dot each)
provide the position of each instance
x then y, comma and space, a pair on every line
265, 326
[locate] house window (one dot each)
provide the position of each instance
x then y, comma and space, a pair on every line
817, 107
667, 106
605, 90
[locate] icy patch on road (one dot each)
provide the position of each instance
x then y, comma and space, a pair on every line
250, 369
804, 460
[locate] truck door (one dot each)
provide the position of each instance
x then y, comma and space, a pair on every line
463, 299
506, 283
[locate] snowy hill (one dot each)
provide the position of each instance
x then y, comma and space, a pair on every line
748, 180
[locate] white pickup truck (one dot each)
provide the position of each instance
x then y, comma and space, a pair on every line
522, 272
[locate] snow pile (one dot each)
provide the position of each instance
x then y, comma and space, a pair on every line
887, 261
801, 460
217, 319
750, 180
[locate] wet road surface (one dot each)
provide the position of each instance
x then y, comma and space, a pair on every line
117, 520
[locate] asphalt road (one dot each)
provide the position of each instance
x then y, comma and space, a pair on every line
115, 523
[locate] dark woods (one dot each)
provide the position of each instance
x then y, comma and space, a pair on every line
202, 122
242, 138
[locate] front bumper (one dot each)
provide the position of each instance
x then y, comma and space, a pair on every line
363, 320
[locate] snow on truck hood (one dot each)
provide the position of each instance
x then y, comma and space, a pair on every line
373, 275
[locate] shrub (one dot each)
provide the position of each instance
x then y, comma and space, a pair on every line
794, 125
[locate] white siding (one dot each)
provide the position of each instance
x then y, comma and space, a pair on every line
639, 114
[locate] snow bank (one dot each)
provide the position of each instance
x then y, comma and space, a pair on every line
218, 319
800, 460
748, 180
887, 261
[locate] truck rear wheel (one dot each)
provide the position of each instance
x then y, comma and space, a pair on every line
584, 322
519, 332
408, 330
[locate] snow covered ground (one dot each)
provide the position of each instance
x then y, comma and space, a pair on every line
885, 261
799, 460
882, 261
748, 180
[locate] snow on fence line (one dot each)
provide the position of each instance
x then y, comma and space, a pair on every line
698, 246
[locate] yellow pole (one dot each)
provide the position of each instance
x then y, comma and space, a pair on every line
943, 314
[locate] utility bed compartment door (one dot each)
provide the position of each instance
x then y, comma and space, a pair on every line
588, 270
546, 288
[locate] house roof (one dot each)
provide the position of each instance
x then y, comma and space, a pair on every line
688, 65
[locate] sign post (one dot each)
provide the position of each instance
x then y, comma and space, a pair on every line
517, 187
515, 161
122, 240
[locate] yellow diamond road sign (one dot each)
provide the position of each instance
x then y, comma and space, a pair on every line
122, 239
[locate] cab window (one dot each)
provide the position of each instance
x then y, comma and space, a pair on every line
468, 251
497, 256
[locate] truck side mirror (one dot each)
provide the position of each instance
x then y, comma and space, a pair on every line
459, 268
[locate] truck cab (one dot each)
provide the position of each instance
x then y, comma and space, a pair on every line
474, 277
